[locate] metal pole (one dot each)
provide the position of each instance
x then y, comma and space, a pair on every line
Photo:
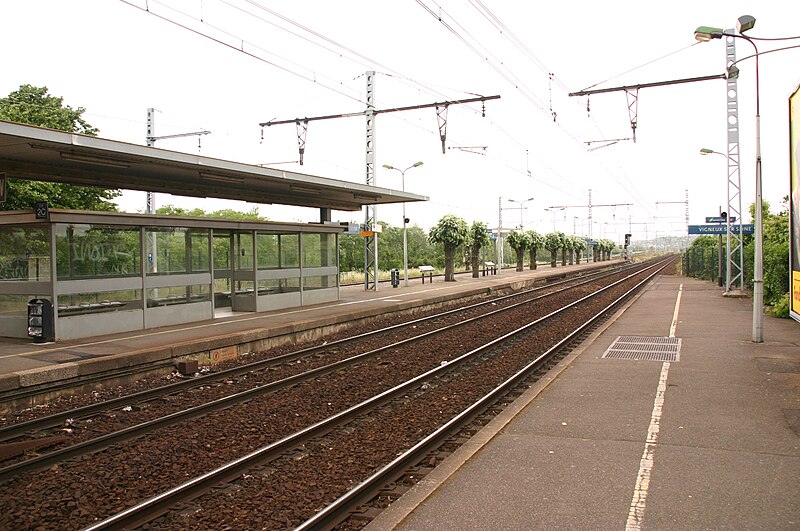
719, 256
758, 266
758, 269
371, 268
405, 223
405, 236
499, 240
735, 266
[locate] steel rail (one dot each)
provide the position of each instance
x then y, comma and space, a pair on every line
151, 508
339, 509
139, 430
57, 419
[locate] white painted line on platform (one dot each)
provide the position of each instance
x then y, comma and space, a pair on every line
674, 324
639, 501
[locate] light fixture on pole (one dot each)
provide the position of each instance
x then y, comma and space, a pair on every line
405, 219
521, 208
704, 34
554, 210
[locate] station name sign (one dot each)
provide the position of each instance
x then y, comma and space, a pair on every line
748, 228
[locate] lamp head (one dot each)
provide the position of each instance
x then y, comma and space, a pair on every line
417, 164
706, 151
706, 33
388, 167
744, 23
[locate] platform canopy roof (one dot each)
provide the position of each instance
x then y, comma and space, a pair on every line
35, 153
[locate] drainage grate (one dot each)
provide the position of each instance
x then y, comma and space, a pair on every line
645, 348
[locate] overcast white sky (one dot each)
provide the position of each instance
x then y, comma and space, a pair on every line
309, 58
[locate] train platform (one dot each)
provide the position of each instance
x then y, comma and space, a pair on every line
25, 365
703, 433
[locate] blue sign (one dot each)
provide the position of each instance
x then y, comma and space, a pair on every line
721, 229
719, 219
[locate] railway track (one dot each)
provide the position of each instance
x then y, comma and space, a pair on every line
298, 417
106, 379
340, 348
100, 425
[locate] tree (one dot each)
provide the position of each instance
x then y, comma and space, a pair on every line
34, 106
519, 241
775, 252
351, 252
420, 250
579, 245
605, 247
701, 257
536, 243
478, 237
391, 247
552, 242
567, 249
225, 213
451, 232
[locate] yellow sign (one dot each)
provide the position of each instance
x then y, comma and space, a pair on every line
366, 233
796, 292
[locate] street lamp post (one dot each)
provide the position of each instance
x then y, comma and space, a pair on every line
703, 34
554, 210
405, 219
521, 208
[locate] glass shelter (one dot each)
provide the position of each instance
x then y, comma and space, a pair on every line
108, 272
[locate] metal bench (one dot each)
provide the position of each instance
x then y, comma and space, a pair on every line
426, 270
489, 267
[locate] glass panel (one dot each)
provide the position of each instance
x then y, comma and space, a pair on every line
319, 282
109, 301
290, 250
268, 255
24, 253
243, 287
199, 249
278, 285
176, 250
17, 305
178, 295
244, 251
329, 248
319, 250
92, 251
222, 250
222, 268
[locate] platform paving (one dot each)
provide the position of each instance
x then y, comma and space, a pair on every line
709, 441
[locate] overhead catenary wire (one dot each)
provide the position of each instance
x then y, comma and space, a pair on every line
241, 48
333, 44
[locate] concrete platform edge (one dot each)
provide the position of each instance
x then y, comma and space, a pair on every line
243, 341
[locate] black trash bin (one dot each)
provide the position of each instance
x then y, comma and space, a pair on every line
40, 320
395, 277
